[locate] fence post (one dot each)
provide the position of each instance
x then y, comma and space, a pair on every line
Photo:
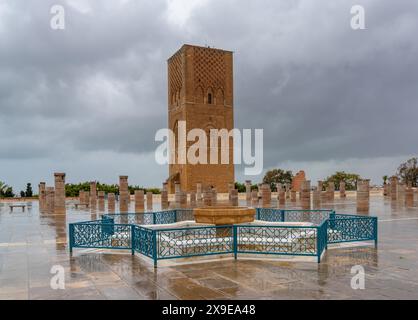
132, 239
331, 220
175, 215
235, 241
154, 247
153, 218
318, 243
71, 237
326, 234
375, 232
257, 210
282, 216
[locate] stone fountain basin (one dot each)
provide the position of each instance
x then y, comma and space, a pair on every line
224, 215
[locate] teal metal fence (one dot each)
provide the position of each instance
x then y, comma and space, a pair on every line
282, 240
352, 228
278, 215
149, 218
100, 235
134, 232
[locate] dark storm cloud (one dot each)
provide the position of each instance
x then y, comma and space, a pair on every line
320, 90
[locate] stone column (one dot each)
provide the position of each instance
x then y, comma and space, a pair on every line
278, 188
331, 191
316, 198
254, 198
234, 198
393, 188
342, 189
214, 197
248, 191
386, 189
183, 199
305, 194
292, 195
139, 200
265, 195
177, 194
192, 199
363, 195
85, 198
149, 200
111, 201
231, 186
401, 192
287, 188
101, 200
93, 194
199, 195
320, 186
282, 195
49, 199
207, 197
123, 194
59, 194
409, 196
164, 196
81, 197
42, 196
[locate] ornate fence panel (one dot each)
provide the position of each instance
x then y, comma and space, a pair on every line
149, 218
131, 218
279, 215
281, 240
184, 215
269, 214
313, 216
100, 234
349, 228
143, 241
165, 217
195, 241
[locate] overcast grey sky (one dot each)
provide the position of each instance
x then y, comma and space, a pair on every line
88, 100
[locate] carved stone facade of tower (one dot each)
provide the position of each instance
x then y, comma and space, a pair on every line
200, 92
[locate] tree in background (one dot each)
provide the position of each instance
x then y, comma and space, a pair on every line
241, 187
73, 190
153, 190
350, 180
408, 172
3, 188
29, 192
277, 176
6, 191
385, 179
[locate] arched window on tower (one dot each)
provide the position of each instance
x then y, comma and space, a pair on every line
199, 95
220, 97
209, 96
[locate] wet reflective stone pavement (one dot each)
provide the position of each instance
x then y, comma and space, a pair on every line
31, 243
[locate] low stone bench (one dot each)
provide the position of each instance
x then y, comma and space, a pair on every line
80, 204
12, 206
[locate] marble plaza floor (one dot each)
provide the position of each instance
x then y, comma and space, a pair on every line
30, 244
